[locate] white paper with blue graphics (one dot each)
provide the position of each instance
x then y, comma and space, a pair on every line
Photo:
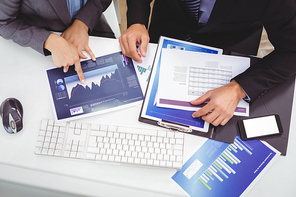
152, 114
192, 74
222, 169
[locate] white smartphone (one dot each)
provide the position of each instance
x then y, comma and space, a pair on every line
260, 127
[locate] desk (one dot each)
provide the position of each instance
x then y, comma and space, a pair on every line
23, 76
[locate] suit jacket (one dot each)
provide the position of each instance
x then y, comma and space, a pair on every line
29, 22
231, 26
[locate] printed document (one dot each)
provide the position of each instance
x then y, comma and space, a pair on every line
153, 114
222, 169
187, 75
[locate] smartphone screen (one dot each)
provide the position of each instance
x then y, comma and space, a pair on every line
260, 126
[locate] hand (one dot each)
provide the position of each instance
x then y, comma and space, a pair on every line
135, 34
64, 54
77, 35
222, 103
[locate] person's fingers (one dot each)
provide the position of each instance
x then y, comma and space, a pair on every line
203, 111
205, 97
143, 46
81, 55
89, 51
219, 120
133, 52
129, 48
210, 116
79, 72
122, 45
217, 116
224, 121
66, 68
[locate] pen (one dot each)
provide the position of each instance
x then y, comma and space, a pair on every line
212, 132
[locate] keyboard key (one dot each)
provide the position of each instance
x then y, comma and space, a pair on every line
162, 133
179, 135
95, 127
79, 155
44, 123
130, 160
171, 134
150, 162
84, 126
104, 128
177, 152
90, 156
177, 165
118, 158
98, 157
50, 122
112, 128
77, 131
78, 125
104, 157
38, 150
178, 147
57, 153
179, 141
72, 125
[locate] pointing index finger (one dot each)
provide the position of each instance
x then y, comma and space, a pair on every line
79, 71
89, 51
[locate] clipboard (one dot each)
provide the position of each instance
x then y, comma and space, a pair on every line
172, 119
267, 104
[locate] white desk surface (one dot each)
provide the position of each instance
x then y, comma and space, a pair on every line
23, 76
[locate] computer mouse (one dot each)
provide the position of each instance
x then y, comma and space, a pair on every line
11, 111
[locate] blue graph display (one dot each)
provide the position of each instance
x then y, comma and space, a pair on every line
222, 169
110, 81
106, 84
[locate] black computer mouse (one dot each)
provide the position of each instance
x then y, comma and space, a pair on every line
11, 111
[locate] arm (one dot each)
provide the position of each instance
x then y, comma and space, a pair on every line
84, 22
137, 20
15, 28
275, 68
138, 12
279, 21
91, 13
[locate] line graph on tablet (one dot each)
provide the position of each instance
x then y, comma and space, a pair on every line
97, 82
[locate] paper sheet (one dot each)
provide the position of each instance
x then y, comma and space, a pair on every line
143, 69
222, 169
187, 75
158, 114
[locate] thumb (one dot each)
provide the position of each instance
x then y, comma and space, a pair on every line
200, 99
143, 47
81, 55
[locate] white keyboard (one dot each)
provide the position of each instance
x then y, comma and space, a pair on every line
110, 143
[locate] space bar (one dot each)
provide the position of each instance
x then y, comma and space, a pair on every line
136, 131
